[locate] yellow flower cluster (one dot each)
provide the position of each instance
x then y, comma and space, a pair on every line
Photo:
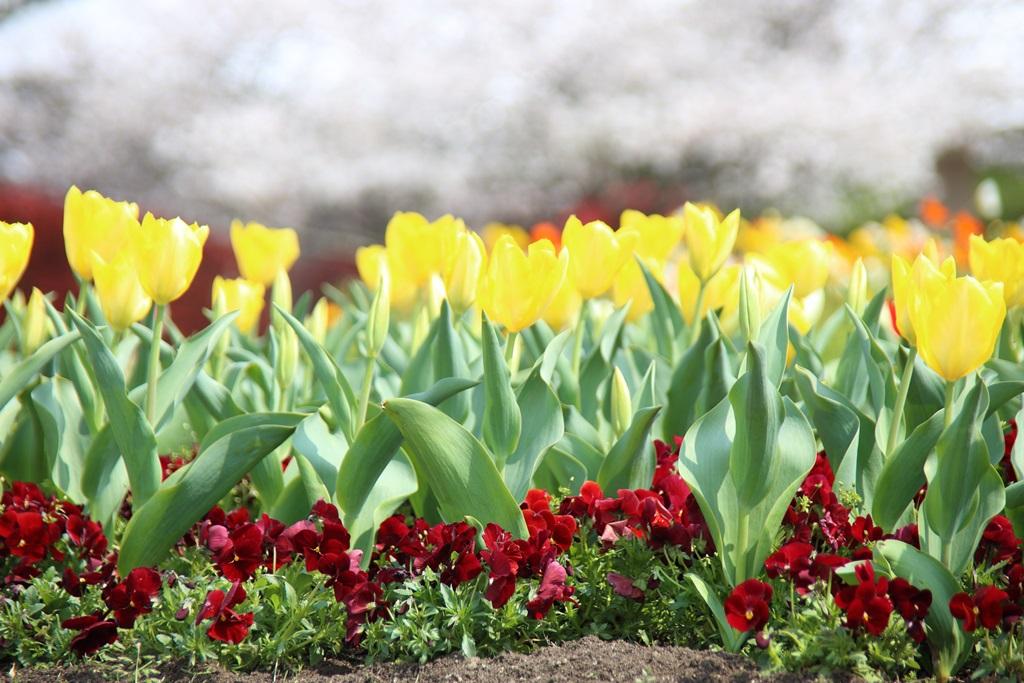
133, 264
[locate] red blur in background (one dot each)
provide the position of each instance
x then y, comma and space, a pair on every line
48, 267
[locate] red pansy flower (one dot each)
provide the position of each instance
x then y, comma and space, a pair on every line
985, 607
746, 608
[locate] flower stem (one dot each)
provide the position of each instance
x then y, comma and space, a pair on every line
154, 362
577, 346
698, 319
901, 401
510, 348
948, 416
364, 393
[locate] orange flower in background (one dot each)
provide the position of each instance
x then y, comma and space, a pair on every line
964, 225
547, 231
933, 212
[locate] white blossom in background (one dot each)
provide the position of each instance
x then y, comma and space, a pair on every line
330, 115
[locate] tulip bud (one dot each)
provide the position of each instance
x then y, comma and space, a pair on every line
380, 316
622, 405
317, 321
287, 356
857, 294
281, 293
35, 326
750, 304
15, 246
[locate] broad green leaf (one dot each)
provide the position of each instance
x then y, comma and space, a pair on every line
666, 320
744, 533
22, 455
628, 464
65, 434
732, 640
686, 384
132, 432
449, 360
502, 417
945, 636
176, 381
961, 460
26, 371
543, 427
332, 381
366, 463
558, 470
70, 365
846, 434
456, 467
774, 338
104, 479
229, 451
321, 447
757, 408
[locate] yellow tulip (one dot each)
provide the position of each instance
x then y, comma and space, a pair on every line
1001, 260
167, 253
422, 248
122, 298
35, 326
492, 232
15, 248
908, 284
240, 295
467, 265
371, 260
957, 322
709, 239
564, 309
262, 252
803, 264
631, 286
657, 236
595, 254
518, 286
95, 224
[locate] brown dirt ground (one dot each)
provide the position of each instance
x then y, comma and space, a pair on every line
588, 659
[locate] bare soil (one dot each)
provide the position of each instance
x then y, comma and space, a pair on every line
588, 659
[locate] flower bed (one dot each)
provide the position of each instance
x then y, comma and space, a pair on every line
428, 465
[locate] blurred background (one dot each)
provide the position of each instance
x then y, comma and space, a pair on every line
329, 115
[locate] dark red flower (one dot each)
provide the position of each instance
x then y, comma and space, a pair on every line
133, 597
984, 608
537, 500
238, 553
624, 586
866, 604
552, 589
93, 633
228, 625
998, 542
912, 604
792, 561
747, 607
